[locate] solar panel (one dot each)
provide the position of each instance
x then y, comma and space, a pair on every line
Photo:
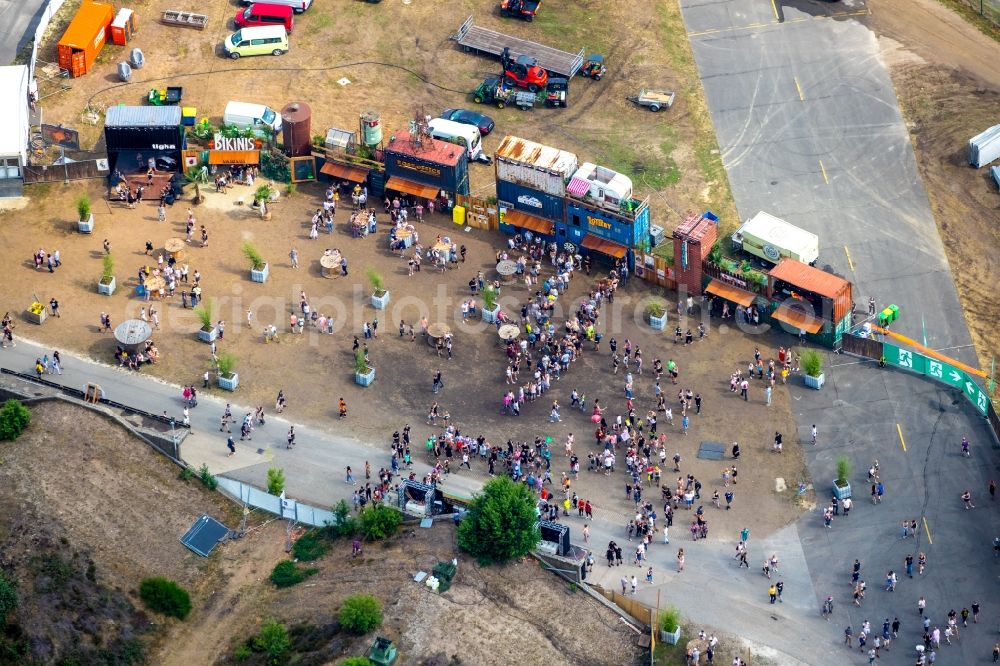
204, 535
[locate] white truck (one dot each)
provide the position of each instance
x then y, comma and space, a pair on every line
771, 238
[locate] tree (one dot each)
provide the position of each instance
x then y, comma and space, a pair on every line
360, 613
275, 481
14, 418
500, 524
379, 522
165, 596
273, 641
8, 599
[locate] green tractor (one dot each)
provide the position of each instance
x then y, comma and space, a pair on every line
493, 90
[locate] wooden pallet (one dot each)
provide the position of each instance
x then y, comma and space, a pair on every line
184, 19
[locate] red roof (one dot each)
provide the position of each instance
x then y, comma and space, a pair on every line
809, 279
431, 150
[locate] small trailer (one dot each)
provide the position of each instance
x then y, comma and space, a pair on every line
654, 100
184, 19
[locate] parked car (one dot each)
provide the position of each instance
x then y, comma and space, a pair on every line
483, 122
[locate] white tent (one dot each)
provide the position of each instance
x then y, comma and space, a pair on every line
14, 121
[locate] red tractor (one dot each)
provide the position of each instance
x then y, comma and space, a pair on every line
523, 72
525, 9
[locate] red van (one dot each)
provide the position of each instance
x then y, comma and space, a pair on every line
263, 13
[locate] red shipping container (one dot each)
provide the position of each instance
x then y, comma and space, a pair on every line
123, 27
85, 37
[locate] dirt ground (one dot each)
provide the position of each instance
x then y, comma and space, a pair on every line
948, 92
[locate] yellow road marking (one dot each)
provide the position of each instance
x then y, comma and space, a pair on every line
851, 264
901, 440
928, 530
799, 88
774, 6
715, 31
823, 169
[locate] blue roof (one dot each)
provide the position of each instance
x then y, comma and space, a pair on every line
143, 116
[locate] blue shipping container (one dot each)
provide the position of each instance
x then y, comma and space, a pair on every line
530, 201
630, 233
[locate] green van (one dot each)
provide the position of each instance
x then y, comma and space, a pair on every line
256, 40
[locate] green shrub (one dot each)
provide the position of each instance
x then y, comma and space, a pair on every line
843, 471
225, 363
378, 284
165, 596
83, 207
500, 525
490, 297
286, 574
204, 314
186, 474
207, 478
344, 524
107, 266
273, 641
14, 418
360, 365
253, 255
670, 619
360, 613
379, 522
812, 363
275, 481
242, 653
8, 598
656, 309
355, 661
310, 546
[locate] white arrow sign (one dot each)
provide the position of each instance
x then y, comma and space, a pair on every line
970, 388
955, 376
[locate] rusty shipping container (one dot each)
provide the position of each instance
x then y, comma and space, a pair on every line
831, 295
534, 166
85, 37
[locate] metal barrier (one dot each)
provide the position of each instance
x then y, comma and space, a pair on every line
866, 347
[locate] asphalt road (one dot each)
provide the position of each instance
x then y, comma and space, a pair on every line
18, 19
809, 130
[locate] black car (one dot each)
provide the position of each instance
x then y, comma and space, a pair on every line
466, 117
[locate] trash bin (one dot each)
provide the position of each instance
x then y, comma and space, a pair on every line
895, 312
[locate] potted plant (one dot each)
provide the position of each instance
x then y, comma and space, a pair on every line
208, 332
85, 221
364, 374
259, 269
106, 285
380, 296
842, 484
812, 365
670, 626
225, 364
657, 314
36, 313
263, 196
490, 307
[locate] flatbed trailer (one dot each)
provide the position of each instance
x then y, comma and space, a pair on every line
490, 42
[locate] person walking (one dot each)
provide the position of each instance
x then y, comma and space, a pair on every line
680, 560
293, 256
772, 592
350, 477
291, 440
231, 444
814, 435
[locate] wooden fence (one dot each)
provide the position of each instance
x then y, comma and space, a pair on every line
479, 213
866, 347
655, 270
735, 279
637, 610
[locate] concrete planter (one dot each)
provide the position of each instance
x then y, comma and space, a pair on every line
208, 334
658, 323
670, 638
380, 302
815, 382
841, 492
490, 316
86, 226
36, 318
261, 275
229, 383
365, 378
106, 288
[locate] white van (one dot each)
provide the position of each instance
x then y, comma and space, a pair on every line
298, 6
245, 114
460, 133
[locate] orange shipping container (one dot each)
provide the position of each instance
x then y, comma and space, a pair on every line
85, 37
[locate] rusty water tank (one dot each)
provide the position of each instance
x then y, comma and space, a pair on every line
296, 129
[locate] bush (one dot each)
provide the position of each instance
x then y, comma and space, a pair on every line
204, 314
253, 255
360, 365
670, 619
226, 363
206, 477
344, 524
286, 574
165, 596
843, 471
107, 267
310, 546
378, 285
500, 524
275, 481
656, 309
14, 418
379, 522
812, 363
360, 613
83, 207
242, 653
8, 598
273, 641
356, 661
489, 297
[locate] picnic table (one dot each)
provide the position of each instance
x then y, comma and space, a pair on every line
702, 646
508, 332
507, 269
132, 333
437, 331
154, 285
330, 264
175, 246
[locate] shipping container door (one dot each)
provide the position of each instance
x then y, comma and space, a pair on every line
79, 64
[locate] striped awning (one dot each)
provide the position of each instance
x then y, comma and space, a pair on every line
578, 187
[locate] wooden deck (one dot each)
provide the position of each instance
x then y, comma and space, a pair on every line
482, 40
